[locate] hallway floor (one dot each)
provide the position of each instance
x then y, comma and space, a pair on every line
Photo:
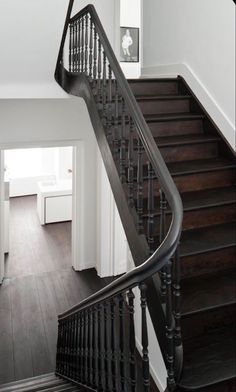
39, 285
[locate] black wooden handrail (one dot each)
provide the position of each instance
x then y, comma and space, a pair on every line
167, 248
85, 316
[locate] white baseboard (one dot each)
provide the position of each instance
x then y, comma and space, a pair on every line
209, 103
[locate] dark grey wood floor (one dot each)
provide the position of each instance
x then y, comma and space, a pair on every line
40, 284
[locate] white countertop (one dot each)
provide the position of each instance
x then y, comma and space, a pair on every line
55, 188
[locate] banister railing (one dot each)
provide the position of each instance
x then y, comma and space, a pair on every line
94, 348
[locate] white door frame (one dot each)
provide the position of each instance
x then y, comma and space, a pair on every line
2, 257
77, 197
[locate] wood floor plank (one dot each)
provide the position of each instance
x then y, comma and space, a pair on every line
6, 343
48, 305
22, 351
35, 248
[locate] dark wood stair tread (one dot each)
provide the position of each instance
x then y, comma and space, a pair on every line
167, 141
208, 239
173, 117
151, 80
209, 359
209, 198
164, 97
206, 198
208, 291
200, 166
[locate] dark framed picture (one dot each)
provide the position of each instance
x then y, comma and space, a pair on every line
129, 44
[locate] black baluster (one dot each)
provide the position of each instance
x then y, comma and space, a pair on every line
82, 347
73, 47
82, 46
122, 143
169, 329
71, 345
78, 347
95, 57
104, 91
76, 46
113, 346
145, 357
177, 298
58, 359
86, 45
70, 48
91, 50
99, 83
131, 164
96, 344
150, 222
79, 46
86, 346
93, 348
163, 207
140, 187
116, 124
99, 345
121, 342
109, 115
106, 345
73, 348
132, 345
89, 323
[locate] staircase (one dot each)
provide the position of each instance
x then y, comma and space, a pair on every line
173, 179
204, 169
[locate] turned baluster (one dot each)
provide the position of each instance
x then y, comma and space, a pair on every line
177, 297
170, 328
99, 83
122, 143
106, 348
113, 346
82, 45
104, 91
121, 342
91, 50
109, 111
132, 344
131, 164
82, 348
70, 47
95, 57
150, 222
76, 46
140, 187
99, 348
86, 42
163, 208
116, 124
93, 348
145, 356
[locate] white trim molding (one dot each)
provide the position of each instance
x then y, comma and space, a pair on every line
202, 93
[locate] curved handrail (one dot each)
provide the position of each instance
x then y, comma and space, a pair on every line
168, 246
161, 257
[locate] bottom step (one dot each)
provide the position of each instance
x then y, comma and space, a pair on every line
46, 383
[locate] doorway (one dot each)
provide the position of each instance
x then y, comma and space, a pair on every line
60, 178
38, 210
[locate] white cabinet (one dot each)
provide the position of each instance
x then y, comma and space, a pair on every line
54, 201
58, 208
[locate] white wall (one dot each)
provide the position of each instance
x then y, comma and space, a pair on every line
36, 123
30, 35
197, 39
